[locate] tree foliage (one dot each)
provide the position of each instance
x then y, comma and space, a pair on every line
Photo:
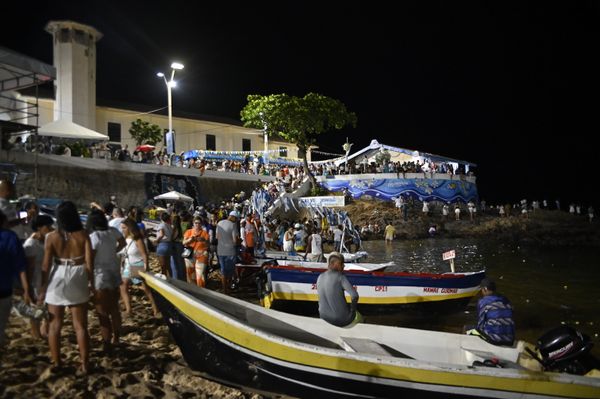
297, 120
145, 133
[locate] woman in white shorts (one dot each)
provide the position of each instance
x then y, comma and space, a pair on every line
106, 242
68, 280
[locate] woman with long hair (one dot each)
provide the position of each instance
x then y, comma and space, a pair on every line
136, 256
106, 242
68, 280
177, 264
163, 243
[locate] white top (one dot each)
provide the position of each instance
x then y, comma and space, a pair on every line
167, 232
337, 234
116, 223
316, 247
132, 252
104, 242
227, 236
35, 249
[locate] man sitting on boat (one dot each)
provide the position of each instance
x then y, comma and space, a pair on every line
495, 316
331, 285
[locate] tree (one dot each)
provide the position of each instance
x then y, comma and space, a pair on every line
297, 120
145, 133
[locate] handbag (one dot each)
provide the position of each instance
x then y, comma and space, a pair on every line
187, 252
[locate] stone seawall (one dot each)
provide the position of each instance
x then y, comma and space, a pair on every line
83, 180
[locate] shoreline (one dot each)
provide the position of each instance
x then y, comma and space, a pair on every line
542, 227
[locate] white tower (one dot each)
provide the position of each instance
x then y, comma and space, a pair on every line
75, 62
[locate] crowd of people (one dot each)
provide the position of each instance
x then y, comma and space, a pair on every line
425, 166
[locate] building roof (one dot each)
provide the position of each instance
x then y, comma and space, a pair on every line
18, 71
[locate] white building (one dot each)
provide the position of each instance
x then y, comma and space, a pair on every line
74, 99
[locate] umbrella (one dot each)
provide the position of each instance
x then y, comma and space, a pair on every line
174, 196
145, 148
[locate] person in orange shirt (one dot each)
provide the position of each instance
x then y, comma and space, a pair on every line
198, 239
250, 232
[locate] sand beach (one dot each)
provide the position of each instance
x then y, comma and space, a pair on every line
147, 363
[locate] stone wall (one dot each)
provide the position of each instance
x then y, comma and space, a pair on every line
86, 180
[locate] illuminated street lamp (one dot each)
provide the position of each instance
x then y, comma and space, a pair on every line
170, 84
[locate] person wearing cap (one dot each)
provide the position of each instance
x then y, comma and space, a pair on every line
495, 321
331, 286
227, 241
34, 252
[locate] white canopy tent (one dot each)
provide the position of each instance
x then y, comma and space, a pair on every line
69, 130
174, 196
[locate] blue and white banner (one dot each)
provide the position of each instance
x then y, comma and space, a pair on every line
327, 201
422, 189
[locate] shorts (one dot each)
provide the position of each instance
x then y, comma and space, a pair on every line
227, 265
163, 249
106, 279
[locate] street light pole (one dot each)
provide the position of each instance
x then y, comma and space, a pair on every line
170, 84
266, 138
346, 148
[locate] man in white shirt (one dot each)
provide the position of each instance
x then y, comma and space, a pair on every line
337, 238
227, 241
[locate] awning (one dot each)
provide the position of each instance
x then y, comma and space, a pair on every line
174, 196
69, 130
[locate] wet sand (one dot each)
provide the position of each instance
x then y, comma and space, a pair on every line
147, 363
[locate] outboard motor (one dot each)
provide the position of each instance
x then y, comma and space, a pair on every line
566, 350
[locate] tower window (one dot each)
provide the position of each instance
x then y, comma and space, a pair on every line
246, 145
114, 132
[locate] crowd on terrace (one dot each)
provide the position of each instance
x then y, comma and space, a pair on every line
247, 162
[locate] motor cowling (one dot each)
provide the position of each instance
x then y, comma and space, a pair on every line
564, 349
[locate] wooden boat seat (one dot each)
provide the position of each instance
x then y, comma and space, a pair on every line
363, 345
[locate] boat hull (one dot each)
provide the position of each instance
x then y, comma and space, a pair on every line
291, 287
222, 361
245, 346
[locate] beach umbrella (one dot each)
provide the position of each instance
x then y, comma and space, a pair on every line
145, 148
174, 196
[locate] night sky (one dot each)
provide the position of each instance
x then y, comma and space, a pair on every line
512, 87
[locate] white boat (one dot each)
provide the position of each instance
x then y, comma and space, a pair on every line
318, 266
258, 349
348, 257
281, 286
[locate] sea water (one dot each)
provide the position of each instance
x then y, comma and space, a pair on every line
548, 286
